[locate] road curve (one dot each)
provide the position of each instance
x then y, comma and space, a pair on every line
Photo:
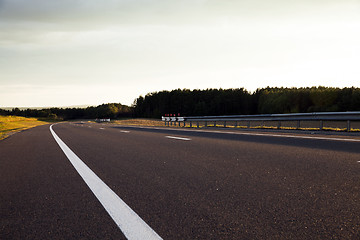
185, 184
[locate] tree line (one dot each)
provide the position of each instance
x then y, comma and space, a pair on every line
212, 102
110, 110
240, 101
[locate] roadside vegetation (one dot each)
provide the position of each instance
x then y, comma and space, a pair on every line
12, 124
109, 110
140, 122
211, 102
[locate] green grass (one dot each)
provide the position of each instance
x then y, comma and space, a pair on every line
12, 124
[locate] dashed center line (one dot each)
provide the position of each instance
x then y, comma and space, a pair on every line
179, 138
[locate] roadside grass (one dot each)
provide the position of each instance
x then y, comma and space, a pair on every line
140, 122
313, 126
11, 124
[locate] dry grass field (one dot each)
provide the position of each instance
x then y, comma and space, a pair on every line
290, 125
12, 124
140, 122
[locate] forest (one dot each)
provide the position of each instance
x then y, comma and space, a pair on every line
212, 102
239, 101
110, 110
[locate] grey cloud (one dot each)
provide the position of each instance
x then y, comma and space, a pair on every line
23, 20
126, 10
39, 10
29, 20
143, 11
31, 10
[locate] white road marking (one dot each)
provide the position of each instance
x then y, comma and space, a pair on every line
178, 138
258, 134
124, 131
294, 136
102, 128
126, 219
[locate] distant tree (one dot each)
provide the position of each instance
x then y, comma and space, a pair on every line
4, 112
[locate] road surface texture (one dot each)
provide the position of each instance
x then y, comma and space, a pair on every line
183, 183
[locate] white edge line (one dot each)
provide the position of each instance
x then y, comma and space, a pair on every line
257, 134
178, 138
126, 219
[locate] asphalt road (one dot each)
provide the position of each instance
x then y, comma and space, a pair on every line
185, 184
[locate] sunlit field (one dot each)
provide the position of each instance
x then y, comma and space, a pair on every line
140, 122
339, 126
12, 124
288, 125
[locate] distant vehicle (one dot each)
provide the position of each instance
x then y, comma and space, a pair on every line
98, 120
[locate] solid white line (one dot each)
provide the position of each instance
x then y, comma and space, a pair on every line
126, 219
178, 138
102, 128
259, 134
294, 136
124, 131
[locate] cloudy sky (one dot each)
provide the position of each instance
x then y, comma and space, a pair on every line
75, 52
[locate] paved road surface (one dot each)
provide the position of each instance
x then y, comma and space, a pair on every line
185, 184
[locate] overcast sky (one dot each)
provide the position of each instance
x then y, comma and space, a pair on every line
75, 52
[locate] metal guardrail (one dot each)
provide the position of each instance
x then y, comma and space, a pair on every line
298, 117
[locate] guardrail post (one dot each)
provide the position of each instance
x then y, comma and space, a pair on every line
214, 123
224, 124
321, 125
279, 125
190, 124
197, 124
248, 125
235, 124
184, 124
205, 123
348, 126
298, 124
